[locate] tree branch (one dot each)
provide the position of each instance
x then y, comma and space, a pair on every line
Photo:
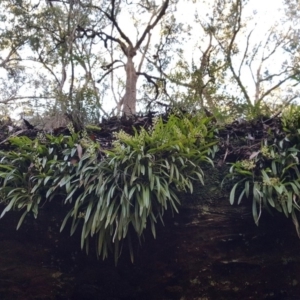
108, 72
144, 53
112, 18
150, 79
6, 101
228, 52
245, 53
151, 26
276, 86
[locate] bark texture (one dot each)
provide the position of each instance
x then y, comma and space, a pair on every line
129, 98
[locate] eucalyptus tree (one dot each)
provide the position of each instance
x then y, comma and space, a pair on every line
292, 13
122, 45
83, 55
44, 61
11, 43
65, 51
198, 69
236, 63
261, 68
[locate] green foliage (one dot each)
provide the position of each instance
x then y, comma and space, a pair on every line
27, 173
271, 178
110, 193
291, 119
92, 128
137, 181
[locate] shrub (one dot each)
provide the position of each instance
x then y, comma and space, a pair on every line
271, 178
111, 193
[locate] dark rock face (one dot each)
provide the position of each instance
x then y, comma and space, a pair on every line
228, 257
210, 251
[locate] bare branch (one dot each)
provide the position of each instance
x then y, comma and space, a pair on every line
144, 53
245, 52
278, 43
108, 72
150, 79
252, 59
42, 61
275, 87
112, 18
91, 33
228, 52
106, 67
15, 98
275, 75
162, 11
8, 58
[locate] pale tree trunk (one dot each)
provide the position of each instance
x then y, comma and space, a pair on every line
129, 98
127, 105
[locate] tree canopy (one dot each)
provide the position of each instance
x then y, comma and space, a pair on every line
118, 58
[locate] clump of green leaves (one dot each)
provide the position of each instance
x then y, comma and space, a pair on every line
111, 194
32, 169
138, 180
291, 119
271, 178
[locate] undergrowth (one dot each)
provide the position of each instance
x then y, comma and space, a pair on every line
111, 193
270, 176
